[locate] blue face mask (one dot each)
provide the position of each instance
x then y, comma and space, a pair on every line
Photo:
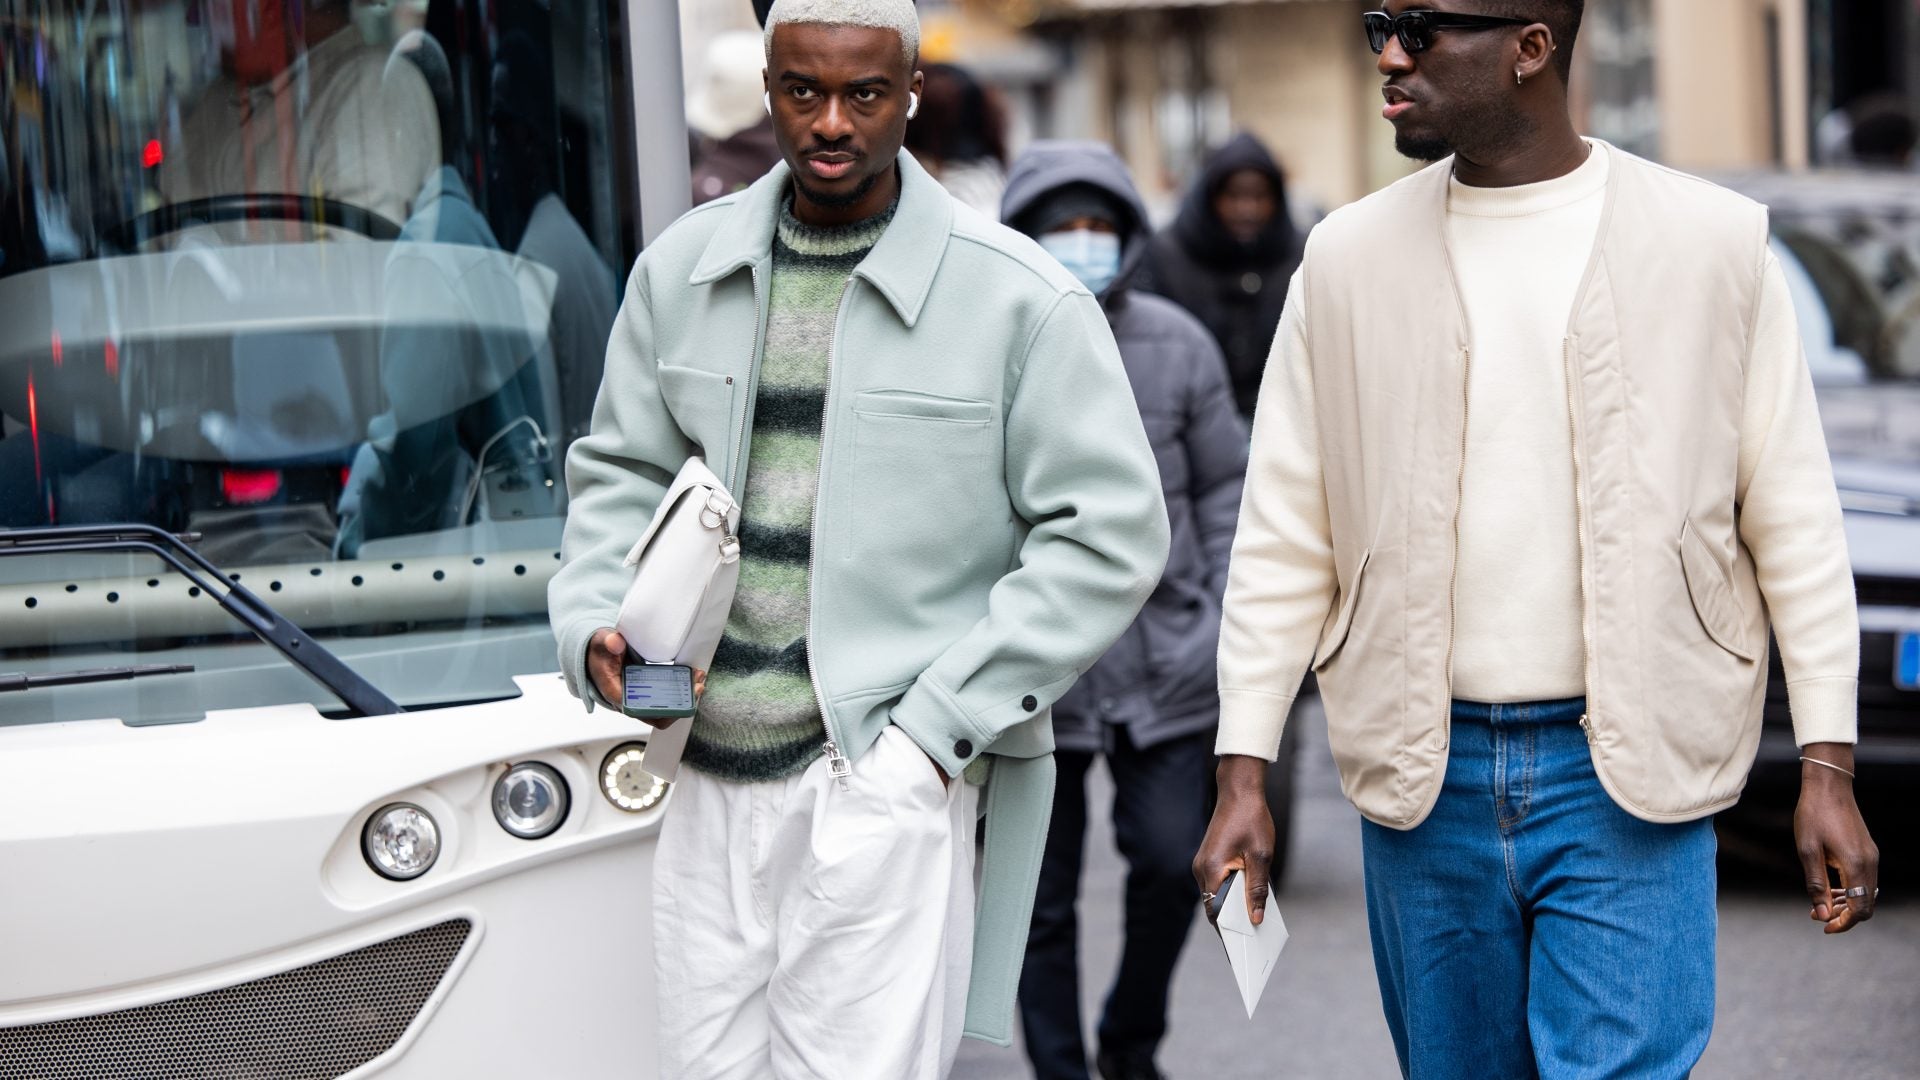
1093, 257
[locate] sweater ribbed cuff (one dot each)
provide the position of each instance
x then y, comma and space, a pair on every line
1251, 723
1824, 710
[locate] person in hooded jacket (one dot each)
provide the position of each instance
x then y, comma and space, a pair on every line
1149, 705
1229, 256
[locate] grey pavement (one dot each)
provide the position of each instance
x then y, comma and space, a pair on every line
1792, 1002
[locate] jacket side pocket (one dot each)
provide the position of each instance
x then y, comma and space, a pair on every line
1335, 635
1710, 587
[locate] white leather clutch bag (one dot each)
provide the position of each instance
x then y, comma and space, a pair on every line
686, 568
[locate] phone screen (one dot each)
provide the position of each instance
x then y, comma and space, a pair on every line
660, 688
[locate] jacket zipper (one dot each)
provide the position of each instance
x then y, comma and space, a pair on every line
1579, 535
753, 381
1460, 500
838, 766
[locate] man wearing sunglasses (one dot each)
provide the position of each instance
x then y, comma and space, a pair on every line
1536, 466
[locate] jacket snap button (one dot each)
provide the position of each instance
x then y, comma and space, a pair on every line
963, 748
1030, 703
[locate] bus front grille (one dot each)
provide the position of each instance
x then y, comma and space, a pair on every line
316, 1021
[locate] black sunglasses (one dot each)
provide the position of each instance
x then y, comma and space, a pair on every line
1415, 29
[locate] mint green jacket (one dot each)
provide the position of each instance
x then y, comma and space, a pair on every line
989, 517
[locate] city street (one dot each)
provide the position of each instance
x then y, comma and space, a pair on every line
913, 345
1791, 1001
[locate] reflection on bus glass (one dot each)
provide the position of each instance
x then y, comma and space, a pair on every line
325, 284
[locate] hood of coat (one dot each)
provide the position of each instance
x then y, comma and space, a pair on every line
1199, 228
1050, 165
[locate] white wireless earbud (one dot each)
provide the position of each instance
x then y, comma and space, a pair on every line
767, 98
913, 104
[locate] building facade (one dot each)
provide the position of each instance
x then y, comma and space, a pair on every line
1704, 85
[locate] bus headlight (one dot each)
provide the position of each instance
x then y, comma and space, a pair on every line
530, 800
401, 841
627, 785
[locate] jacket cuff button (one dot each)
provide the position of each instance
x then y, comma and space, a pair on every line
1030, 703
963, 749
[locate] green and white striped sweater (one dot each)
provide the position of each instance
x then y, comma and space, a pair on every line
759, 719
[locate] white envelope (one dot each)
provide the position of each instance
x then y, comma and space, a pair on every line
1252, 951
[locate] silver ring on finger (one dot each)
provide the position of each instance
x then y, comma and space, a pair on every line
1861, 890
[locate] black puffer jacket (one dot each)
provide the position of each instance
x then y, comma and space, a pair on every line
1159, 679
1236, 289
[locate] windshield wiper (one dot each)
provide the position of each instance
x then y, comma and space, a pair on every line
18, 681
360, 697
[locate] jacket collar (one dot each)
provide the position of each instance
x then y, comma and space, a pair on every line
900, 267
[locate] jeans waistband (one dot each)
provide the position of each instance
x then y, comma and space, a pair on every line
1565, 711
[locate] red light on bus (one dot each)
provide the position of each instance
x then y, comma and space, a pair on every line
33, 426
152, 154
249, 487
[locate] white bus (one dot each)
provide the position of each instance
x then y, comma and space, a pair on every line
301, 303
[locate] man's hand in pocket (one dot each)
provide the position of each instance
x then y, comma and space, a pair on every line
945, 780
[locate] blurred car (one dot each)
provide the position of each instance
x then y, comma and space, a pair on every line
1850, 245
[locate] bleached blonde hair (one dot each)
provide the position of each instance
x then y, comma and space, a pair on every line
898, 16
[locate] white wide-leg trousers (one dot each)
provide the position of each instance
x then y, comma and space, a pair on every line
803, 932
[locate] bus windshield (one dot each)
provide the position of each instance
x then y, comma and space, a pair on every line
324, 284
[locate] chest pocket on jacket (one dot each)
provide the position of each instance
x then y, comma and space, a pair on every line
926, 470
703, 406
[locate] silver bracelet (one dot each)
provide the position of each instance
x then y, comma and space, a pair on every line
1827, 764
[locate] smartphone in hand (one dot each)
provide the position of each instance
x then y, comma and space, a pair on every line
1219, 902
657, 691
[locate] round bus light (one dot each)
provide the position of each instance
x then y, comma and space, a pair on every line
400, 842
628, 785
530, 800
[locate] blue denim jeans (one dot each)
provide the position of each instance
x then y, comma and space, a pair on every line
1530, 927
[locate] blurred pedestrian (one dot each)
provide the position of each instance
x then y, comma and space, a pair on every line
1150, 705
733, 142
961, 137
949, 509
1537, 466
1874, 131
1228, 257
1883, 133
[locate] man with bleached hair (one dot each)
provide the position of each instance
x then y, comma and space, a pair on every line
949, 511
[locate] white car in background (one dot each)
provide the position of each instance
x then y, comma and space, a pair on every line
1850, 245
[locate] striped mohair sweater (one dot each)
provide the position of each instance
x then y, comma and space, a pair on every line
759, 719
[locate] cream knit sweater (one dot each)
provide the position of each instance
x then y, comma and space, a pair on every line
1519, 254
